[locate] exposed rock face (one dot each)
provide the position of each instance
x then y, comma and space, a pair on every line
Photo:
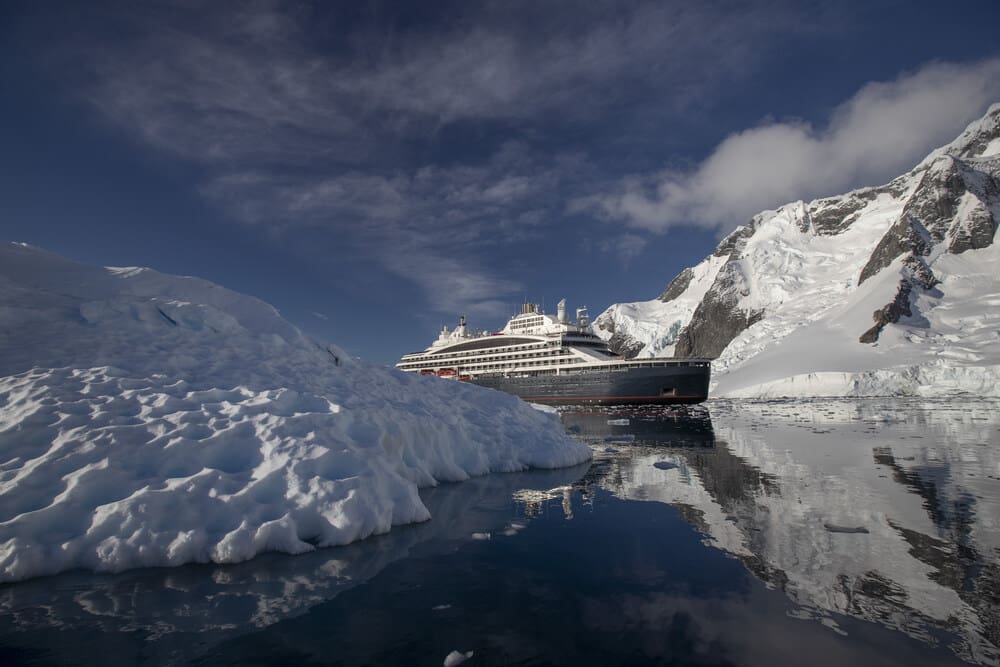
956, 199
619, 341
977, 228
719, 317
735, 241
956, 204
625, 345
907, 235
831, 216
916, 274
677, 285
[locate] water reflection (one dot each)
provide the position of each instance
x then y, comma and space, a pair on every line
881, 510
875, 519
688, 427
152, 609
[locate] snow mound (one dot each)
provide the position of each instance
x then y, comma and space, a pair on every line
154, 420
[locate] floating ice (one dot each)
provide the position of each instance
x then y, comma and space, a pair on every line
155, 420
457, 658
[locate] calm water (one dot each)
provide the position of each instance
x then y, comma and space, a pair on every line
820, 533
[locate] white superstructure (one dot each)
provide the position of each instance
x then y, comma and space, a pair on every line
531, 342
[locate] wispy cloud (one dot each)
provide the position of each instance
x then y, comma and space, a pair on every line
254, 82
880, 132
430, 227
301, 116
626, 247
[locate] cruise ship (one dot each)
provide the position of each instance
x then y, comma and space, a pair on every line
547, 359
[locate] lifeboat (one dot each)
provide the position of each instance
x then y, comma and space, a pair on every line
464, 378
428, 371
447, 373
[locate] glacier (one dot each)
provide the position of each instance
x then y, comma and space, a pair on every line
155, 420
883, 291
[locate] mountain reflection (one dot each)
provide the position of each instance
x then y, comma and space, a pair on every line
886, 510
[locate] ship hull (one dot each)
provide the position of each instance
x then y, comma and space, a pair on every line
664, 385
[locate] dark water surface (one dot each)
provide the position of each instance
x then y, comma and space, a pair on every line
812, 533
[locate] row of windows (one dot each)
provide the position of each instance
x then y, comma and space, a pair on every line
461, 359
487, 342
513, 352
490, 365
497, 364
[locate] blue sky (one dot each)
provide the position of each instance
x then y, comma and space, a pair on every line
376, 169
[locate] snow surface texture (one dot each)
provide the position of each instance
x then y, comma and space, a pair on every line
154, 420
789, 287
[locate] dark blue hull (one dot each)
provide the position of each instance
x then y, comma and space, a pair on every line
677, 383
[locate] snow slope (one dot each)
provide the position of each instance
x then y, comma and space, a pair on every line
889, 290
154, 420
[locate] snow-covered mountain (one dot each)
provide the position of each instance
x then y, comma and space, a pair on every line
152, 420
884, 290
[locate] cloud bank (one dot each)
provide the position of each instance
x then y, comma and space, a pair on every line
880, 132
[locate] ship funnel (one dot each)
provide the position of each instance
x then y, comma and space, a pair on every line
561, 311
582, 318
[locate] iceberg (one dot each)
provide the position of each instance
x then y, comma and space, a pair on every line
154, 420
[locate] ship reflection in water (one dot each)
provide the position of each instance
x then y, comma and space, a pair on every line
820, 533
887, 511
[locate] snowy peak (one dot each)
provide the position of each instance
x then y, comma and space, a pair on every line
846, 266
981, 138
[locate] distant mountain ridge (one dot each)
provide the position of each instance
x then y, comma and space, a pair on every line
883, 290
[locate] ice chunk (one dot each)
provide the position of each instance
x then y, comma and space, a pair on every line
457, 658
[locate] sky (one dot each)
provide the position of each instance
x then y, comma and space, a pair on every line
376, 169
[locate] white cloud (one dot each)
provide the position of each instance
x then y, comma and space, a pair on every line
883, 130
